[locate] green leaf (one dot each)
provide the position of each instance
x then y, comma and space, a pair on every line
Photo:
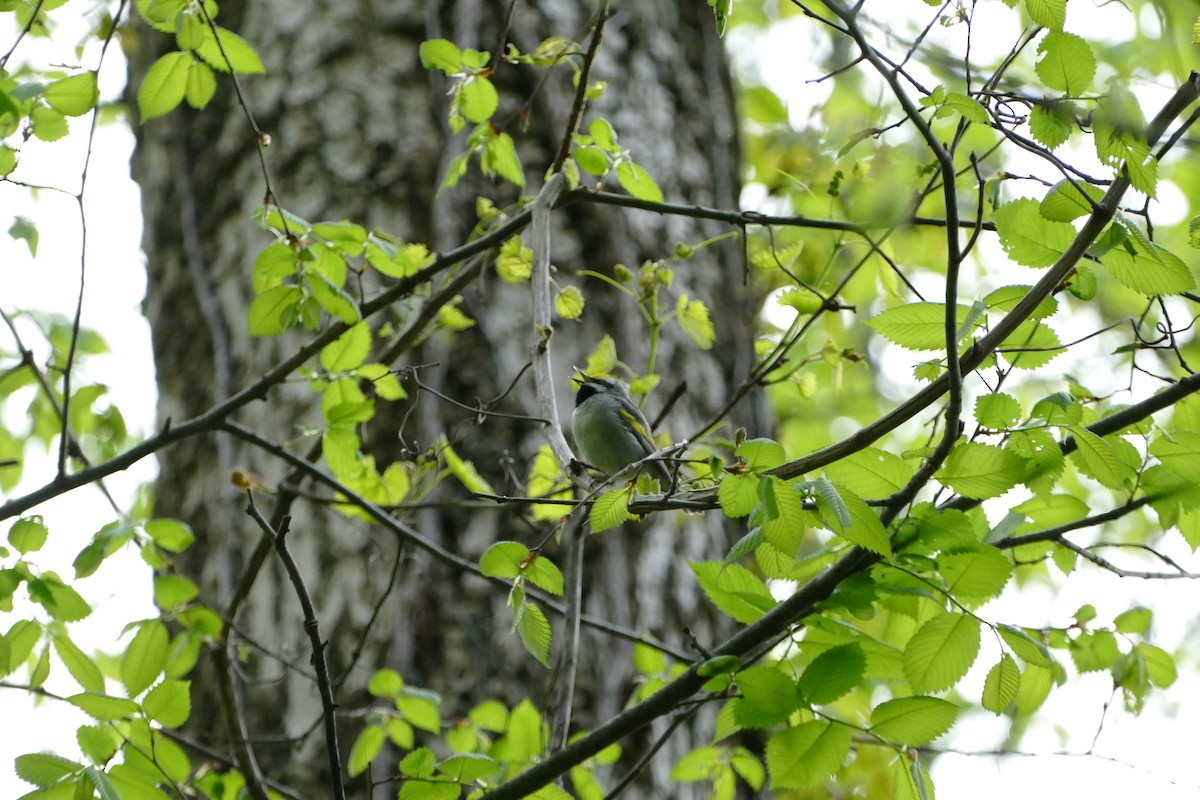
504, 560
806, 754
1029, 238
977, 574
1001, 685
735, 590
761, 455
233, 54
275, 310
1069, 200
103, 707
441, 54
514, 264
331, 297
468, 767
1066, 63
784, 525
941, 652
638, 182
145, 658
980, 471
997, 411
82, 668
1050, 14
47, 124
768, 696
99, 744
73, 96
918, 326
1052, 123
348, 351
738, 494
913, 721
865, 529
169, 703
171, 535
965, 106
478, 99
568, 304
1149, 270
499, 158
164, 86
1097, 458
534, 630
366, 747
28, 534
833, 674
201, 85
610, 510
44, 770
544, 573
462, 469
871, 473
693, 318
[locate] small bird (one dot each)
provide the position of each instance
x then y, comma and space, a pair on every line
610, 430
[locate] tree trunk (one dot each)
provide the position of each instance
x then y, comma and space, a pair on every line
358, 132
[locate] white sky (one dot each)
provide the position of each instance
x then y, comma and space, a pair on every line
1152, 753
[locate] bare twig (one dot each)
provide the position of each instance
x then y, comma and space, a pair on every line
311, 627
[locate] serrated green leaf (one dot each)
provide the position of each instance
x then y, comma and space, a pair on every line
768, 694
918, 326
169, 703
941, 652
833, 674
275, 310
693, 318
806, 754
1050, 14
349, 350
738, 494
980, 471
1069, 200
977, 574
145, 658
998, 411
734, 589
441, 54
478, 99
534, 630
366, 747
610, 510
232, 54
1029, 238
865, 528
28, 534
164, 85
1151, 271
44, 770
1066, 63
913, 721
638, 182
871, 473
73, 96
103, 707
1001, 685
504, 560
82, 668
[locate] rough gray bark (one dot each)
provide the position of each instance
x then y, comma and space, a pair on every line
358, 132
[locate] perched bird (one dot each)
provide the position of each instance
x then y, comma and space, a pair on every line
610, 430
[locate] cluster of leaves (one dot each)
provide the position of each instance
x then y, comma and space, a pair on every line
488, 745
128, 748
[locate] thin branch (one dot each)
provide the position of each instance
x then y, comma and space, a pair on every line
581, 88
311, 627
